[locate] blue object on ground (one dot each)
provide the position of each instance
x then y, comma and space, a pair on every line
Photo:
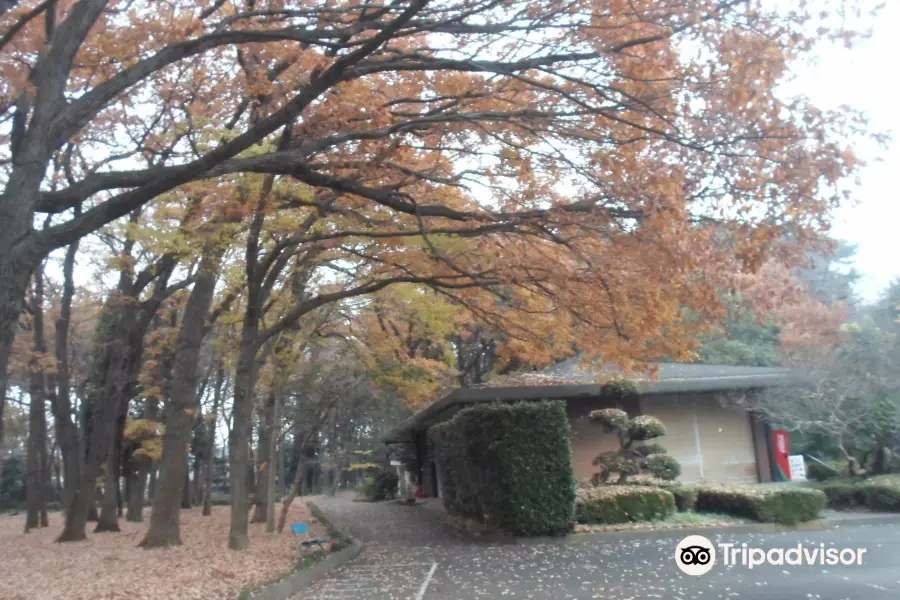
298, 528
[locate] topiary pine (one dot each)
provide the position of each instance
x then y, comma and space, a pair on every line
630, 459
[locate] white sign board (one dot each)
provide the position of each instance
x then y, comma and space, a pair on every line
396, 463
798, 467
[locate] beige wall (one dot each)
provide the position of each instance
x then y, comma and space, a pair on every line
713, 443
588, 438
727, 441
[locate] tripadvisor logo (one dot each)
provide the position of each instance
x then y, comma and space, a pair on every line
695, 555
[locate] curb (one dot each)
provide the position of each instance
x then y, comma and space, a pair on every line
817, 525
295, 582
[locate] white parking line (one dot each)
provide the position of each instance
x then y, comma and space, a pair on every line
371, 581
425, 583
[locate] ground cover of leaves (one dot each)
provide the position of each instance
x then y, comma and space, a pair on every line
676, 521
110, 566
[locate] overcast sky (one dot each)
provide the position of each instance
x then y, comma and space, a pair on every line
865, 77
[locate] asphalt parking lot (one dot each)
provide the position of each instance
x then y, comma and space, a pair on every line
407, 556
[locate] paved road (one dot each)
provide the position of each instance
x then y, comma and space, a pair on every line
403, 544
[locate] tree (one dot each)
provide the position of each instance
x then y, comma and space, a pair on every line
381, 117
125, 317
886, 311
630, 459
850, 397
777, 312
13, 477
741, 340
830, 276
37, 462
182, 406
210, 449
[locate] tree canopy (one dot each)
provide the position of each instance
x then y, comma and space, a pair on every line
426, 190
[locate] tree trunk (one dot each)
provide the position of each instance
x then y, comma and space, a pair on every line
109, 380
178, 415
197, 482
239, 440
15, 273
57, 476
211, 443
109, 505
273, 465
296, 488
332, 478
300, 474
119, 504
186, 488
282, 474
136, 492
61, 402
36, 461
263, 461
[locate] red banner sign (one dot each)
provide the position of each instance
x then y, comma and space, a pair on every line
781, 450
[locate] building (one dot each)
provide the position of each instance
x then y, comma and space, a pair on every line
711, 435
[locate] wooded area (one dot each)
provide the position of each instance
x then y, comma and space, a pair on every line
241, 239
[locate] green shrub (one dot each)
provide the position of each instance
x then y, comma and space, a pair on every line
645, 427
364, 490
878, 493
384, 486
662, 466
509, 466
648, 449
610, 504
769, 504
685, 498
819, 472
880, 497
632, 458
841, 496
612, 419
610, 462
12, 483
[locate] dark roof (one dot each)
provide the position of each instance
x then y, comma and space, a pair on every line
571, 379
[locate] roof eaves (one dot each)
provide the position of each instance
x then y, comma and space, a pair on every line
402, 433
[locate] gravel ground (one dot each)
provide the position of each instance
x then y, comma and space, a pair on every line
110, 565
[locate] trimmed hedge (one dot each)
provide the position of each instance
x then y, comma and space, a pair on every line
879, 493
685, 498
842, 496
509, 466
610, 504
881, 497
768, 504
